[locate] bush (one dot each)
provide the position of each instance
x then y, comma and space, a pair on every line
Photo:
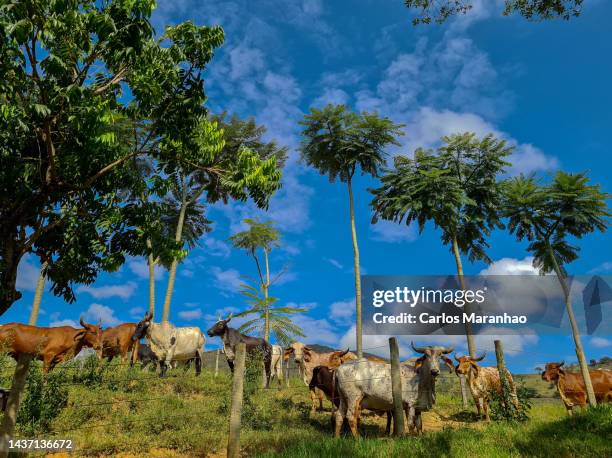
501, 408
44, 398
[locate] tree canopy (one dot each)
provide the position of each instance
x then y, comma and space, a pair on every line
456, 187
546, 215
76, 80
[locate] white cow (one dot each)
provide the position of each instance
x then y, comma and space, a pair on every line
364, 384
171, 344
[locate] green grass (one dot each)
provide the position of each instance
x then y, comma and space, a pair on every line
188, 416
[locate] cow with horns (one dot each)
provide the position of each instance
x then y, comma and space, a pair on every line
171, 343
364, 384
50, 345
483, 381
231, 337
571, 386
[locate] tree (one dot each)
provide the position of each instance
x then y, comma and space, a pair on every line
545, 216
455, 187
533, 10
233, 142
69, 73
337, 142
265, 237
271, 318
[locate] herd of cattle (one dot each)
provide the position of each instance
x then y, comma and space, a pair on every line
349, 383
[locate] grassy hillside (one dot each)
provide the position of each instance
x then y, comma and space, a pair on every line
117, 411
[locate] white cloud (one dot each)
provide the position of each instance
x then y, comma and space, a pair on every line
511, 266
604, 267
335, 263
28, 273
334, 96
124, 291
58, 323
194, 314
601, 342
342, 312
227, 281
319, 331
137, 312
140, 268
391, 232
528, 158
216, 247
187, 273
191, 304
102, 313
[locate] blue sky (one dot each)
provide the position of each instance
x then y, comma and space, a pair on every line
544, 87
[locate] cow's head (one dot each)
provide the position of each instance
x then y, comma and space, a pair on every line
301, 353
340, 357
142, 327
219, 328
467, 364
552, 371
90, 336
429, 359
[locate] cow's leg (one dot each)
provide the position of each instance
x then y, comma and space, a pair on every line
340, 416
163, 368
418, 422
321, 397
231, 365
485, 405
479, 407
268, 368
313, 402
352, 413
198, 362
389, 418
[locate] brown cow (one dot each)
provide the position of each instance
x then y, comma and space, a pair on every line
571, 386
307, 359
50, 345
117, 341
482, 381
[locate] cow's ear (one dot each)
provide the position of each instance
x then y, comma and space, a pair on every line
307, 356
79, 335
287, 353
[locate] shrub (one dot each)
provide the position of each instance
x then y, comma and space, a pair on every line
501, 408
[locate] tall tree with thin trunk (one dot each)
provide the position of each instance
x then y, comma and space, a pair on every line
265, 237
546, 216
457, 188
338, 142
185, 216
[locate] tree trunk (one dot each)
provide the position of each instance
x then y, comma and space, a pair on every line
40, 287
584, 368
266, 287
10, 257
151, 263
358, 325
469, 334
172, 273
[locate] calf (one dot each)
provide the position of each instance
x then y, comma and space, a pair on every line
231, 337
146, 356
364, 384
571, 386
171, 343
307, 359
50, 345
483, 381
117, 341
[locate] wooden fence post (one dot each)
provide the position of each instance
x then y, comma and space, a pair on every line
287, 372
396, 389
501, 367
233, 441
217, 362
12, 406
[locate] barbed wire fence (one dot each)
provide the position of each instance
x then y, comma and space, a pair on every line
74, 373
